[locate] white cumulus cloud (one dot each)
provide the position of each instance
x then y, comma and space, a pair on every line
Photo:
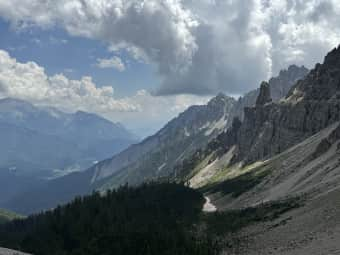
114, 62
142, 112
28, 81
198, 46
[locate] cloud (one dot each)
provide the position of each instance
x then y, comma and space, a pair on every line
114, 62
29, 81
55, 40
198, 46
156, 111
158, 30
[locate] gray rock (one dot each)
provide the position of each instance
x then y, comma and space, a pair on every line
162, 154
4, 251
156, 156
264, 96
279, 88
311, 105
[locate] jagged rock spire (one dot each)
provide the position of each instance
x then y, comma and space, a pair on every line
236, 123
264, 96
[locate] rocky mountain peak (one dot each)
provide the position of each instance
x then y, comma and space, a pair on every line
322, 83
236, 124
279, 88
311, 105
264, 95
293, 72
333, 58
220, 99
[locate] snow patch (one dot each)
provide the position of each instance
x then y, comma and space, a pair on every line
219, 125
186, 132
161, 166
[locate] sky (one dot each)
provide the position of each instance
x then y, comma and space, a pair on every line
142, 62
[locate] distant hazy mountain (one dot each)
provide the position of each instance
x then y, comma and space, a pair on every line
44, 139
41, 143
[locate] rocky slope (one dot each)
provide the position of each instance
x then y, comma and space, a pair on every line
279, 88
311, 105
311, 229
285, 149
310, 171
138, 164
157, 155
269, 128
4, 251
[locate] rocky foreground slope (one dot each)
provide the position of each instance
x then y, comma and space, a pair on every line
311, 171
286, 149
269, 127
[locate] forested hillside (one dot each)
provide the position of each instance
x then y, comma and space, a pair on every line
151, 219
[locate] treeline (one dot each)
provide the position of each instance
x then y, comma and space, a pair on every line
152, 219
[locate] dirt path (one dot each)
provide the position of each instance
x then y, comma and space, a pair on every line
208, 206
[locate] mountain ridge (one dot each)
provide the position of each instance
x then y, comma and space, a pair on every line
270, 128
44, 143
281, 84
160, 155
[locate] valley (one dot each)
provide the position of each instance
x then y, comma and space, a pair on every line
255, 175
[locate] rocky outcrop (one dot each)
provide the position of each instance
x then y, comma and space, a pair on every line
224, 141
311, 105
264, 95
279, 88
256, 106
281, 85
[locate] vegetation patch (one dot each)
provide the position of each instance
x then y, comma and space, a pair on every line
152, 219
6, 216
221, 223
238, 185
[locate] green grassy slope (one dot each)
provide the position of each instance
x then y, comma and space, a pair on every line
6, 216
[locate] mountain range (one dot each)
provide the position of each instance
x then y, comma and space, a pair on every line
159, 156
44, 143
270, 128
185, 135
270, 158
285, 149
